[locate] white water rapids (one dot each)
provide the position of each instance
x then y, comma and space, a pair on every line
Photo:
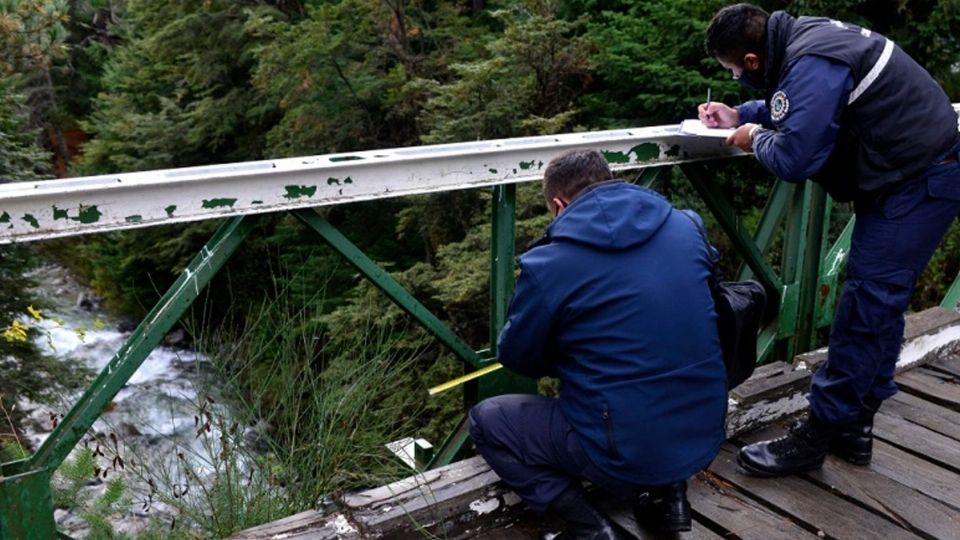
153, 421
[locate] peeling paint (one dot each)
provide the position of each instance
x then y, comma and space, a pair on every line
616, 157
31, 220
88, 214
4, 218
484, 506
674, 151
526, 165
256, 202
331, 181
492, 171
136, 218
170, 210
59, 213
645, 151
345, 158
295, 192
218, 203
348, 180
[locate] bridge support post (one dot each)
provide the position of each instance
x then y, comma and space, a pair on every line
26, 506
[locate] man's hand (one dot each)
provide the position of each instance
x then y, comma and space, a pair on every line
741, 137
718, 115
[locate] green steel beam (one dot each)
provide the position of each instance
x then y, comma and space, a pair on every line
809, 281
141, 343
793, 245
26, 506
502, 248
453, 447
833, 263
502, 251
730, 223
770, 221
386, 283
651, 175
953, 295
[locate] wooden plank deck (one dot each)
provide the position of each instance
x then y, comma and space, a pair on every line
911, 490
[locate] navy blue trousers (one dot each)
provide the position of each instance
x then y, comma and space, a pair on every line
529, 444
894, 237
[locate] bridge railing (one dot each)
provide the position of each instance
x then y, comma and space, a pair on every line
803, 283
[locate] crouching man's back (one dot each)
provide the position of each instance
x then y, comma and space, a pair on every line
615, 302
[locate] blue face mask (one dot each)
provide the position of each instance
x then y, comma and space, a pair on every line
752, 79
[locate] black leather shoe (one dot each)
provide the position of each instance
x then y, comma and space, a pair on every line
854, 442
664, 509
581, 520
802, 449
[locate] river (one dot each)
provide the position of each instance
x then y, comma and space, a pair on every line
160, 424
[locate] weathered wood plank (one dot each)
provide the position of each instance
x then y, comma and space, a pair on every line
773, 392
918, 473
933, 386
507, 533
949, 365
916, 438
463, 498
930, 415
925, 334
309, 525
816, 508
902, 504
928, 320
720, 504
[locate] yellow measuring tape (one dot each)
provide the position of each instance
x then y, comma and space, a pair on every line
468, 377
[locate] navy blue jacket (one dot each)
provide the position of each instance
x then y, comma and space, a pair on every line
848, 108
616, 304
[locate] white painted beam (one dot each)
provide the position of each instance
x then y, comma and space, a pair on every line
55, 208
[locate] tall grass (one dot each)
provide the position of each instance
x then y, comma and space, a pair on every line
318, 416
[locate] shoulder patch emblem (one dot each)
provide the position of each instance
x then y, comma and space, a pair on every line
779, 105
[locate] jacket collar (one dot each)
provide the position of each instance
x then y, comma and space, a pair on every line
779, 29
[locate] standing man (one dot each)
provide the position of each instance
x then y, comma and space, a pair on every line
849, 109
614, 301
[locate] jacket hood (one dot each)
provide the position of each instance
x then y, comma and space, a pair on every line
612, 215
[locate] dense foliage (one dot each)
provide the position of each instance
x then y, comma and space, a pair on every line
170, 83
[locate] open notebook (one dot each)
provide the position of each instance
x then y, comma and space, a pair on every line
696, 127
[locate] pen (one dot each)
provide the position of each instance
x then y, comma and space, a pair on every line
708, 96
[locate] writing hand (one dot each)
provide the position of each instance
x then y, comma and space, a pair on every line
718, 115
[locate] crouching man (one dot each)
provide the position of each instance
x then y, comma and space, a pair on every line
614, 301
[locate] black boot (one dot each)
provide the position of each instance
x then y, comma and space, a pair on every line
664, 509
581, 520
802, 449
854, 442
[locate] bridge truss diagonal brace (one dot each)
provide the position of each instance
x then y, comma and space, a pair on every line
141, 343
386, 283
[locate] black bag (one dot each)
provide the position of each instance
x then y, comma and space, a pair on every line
739, 306
740, 309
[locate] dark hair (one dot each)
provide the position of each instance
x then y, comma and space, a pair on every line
737, 30
572, 171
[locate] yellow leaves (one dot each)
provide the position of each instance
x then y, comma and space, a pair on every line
35, 313
16, 332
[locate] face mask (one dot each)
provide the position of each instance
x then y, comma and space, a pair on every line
752, 79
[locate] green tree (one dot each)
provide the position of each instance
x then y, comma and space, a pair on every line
20, 159
526, 83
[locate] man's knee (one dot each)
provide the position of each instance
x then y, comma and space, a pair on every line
482, 416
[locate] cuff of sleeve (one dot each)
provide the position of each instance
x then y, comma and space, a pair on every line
756, 133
